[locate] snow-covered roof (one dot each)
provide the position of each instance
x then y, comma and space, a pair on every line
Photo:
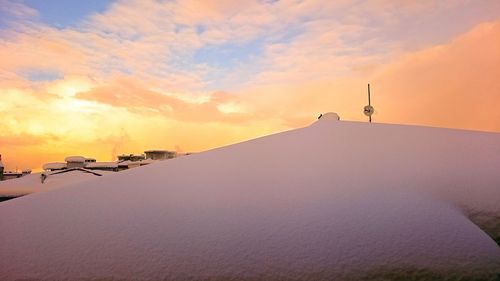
146, 161
32, 183
318, 203
12, 172
54, 166
102, 165
75, 159
125, 163
157, 151
71, 170
132, 155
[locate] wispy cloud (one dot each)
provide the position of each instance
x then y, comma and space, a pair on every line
199, 74
25, 140
452, 85
136, 97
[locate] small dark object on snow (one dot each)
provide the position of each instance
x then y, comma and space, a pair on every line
43, 177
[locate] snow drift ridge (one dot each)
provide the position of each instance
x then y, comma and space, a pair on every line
326, 201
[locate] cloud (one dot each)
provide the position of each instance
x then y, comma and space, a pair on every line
449, 85
452, 85
135, 97
25, 139
135, 67
157, 40
12, 10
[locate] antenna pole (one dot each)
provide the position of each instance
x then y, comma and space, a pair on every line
369, 101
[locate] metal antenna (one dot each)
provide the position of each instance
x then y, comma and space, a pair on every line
369, 101
368, 110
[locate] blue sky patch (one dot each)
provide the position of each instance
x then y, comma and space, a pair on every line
228, 55
63, 13
35, 75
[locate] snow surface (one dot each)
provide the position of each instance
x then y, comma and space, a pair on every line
329, 201
32, 183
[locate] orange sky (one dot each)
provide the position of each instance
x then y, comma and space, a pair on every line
193, 75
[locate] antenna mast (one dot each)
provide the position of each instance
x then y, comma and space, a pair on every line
368, 110
369, 101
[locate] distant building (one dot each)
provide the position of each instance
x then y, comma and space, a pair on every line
7, 175
129, 161
124, 165
103, 166
131, 157
160, 154
75, 162
124, 162
54, 166
1, 168
146, 162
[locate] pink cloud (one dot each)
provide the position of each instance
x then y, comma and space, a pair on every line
17, 9
453, 85
316, 56
135, 97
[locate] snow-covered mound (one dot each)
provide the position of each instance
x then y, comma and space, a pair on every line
329, 116
335, 200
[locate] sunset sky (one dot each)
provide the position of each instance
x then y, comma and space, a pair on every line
100, 78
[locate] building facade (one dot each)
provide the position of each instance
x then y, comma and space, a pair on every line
160, 154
